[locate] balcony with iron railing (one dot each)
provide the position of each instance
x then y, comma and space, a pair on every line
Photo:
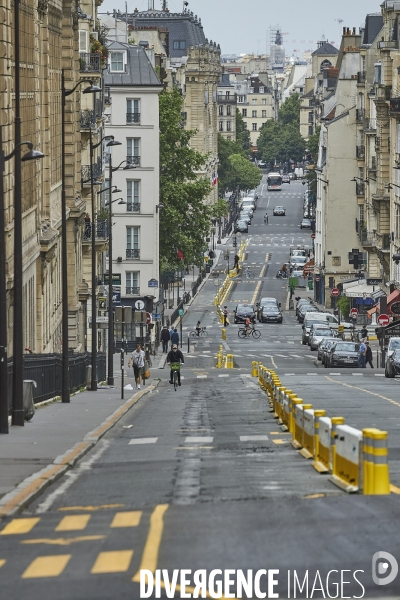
360, 115
101, 231
360, 152
87, 119
133, 253
133, 118
97, 171
133, 160
227, 100
89, 62
360, 188
133, 207
361, 77
132, 291
370, 125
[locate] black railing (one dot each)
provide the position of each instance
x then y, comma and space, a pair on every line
133, 160
196, 284
132, 253
87, 119
89, 62
133, 117
46, 370
360, 115
135, 291
133, 207
373, 163
97, 170
360, 152
101, 231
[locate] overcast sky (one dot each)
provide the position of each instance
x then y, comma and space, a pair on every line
242, 26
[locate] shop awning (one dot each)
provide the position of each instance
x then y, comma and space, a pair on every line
360, 289
393, 298
308, 268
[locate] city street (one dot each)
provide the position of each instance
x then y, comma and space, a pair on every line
204, 477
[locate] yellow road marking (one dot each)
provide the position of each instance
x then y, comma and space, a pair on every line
394, 489
74, 523
91, 508
312, 496
280, 441
262, 271
154, 537
273, 362
19, 526
47, 566
127, 519
254, 298
280, 433
354, 387
65, 541
2, 562
113, 562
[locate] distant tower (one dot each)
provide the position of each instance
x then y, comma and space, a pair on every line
151, 5
276, 49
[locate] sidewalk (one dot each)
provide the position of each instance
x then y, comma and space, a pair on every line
33, 456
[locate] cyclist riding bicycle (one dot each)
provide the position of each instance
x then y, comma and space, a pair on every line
174, 359
198, 328
248, 325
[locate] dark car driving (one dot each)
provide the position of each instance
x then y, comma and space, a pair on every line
392, 367
270, 314
242, 312
343, 354
241, 227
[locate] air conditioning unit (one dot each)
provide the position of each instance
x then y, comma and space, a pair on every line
119, 259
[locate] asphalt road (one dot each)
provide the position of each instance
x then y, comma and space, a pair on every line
203, 478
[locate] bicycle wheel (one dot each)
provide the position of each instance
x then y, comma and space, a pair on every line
250, 274
193, 334
242, 334
256, 334
175, 380
204, 334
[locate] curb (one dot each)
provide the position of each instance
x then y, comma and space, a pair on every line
31, 487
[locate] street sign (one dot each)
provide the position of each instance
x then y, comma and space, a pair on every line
383, 320
340, 328
395, 308
313, 236
148, 318
317, 278
374, 280
335, 292
102, 303
156, 316
116, 294
181, 312
116, 279
139, 305
353, 313
153, 283
99, 319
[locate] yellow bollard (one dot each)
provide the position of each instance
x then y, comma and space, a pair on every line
254, 368
368, 460
223, 333
229, 361
295, 401
335, 422
381, 482
317, 415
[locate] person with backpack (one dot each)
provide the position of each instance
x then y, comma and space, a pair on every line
225, 314
137, 362
175, 338
165, 337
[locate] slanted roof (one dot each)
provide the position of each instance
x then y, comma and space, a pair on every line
139, 70
326, 49
373, 25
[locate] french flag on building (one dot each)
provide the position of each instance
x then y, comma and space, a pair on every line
215, 178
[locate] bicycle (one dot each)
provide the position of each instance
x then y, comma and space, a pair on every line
244, 333
175, 367
202, 333
248, 273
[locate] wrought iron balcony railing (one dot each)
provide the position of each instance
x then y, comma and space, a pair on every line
133, 207
101, 230
97, 171
133, 160
87, 119
132, 253
360, 115
133, 118
360, 152
360, 188
89, 62
132, 291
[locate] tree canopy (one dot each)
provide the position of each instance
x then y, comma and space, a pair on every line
313, 144
185, 217
237, 172
281, 141
245, 174
242, 133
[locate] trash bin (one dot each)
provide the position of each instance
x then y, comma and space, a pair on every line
208, 268
310, 284
88, 377
29, 407
211, 262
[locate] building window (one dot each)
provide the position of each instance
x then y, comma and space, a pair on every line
132, 196
254, 113
117, 61
254, 100
132, 242
378, 73
132, 282
251, 90
240, 99
133, 111
397, 221
254, 126
228, 111
221, 111
264, 114
227, 95
179, 45
261, 90
310, 130
221, 125
106, 195
244, 112
263, 101
228, 125
133, 151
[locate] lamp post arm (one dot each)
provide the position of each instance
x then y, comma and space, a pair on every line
12, 154
66, 93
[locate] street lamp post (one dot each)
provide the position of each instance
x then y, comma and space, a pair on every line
92, 89
18, 408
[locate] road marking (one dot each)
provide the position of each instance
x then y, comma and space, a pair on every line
223, 375
127, 519
202, 376
152, 546
116, 561
65, 541
194, 448
2, 562
73, 523
253, 438
273, 362
198, 440
253, 300
47, 566
393, 488
91, 508
354, 387
19, 526
138, 441
279, 442
379, 374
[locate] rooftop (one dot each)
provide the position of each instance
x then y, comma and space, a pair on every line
325, 49
139, 70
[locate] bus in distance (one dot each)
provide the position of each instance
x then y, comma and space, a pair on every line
274, 182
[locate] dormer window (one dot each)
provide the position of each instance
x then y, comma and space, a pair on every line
261, 90
251, 90
117, 60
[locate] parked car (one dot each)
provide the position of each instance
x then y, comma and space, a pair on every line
248, 203
312, 319
304, 310
271, 314
317, 335
302, 302
245, 217
292, 176
242, 312
394, 344
327, 346
343, 354
247, 210
306, 224
322, 345
392, 367
297, 261
268, 301
279, 211
241, 227
285, 179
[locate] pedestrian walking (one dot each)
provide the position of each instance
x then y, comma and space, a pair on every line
236, 264
368, 355
364, 333
361, 355
137, 362
225, 313
165, 337
266, 218
175, 338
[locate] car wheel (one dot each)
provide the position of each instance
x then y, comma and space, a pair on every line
391, 375
386, 373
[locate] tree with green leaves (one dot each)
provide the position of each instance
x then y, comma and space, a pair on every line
289, 112
313, 144
242, 133
185, 217
245, 174
225, 174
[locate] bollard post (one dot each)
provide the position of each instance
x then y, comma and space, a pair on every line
188, 344
368, 460
335, 422
254, 368
381, 480
317, 415
122, 373
229, 361
223, 330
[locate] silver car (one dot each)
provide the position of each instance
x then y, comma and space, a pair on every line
317, 335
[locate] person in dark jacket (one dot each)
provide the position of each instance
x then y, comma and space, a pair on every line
175, 356
368, 355
175, 338
165, 337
